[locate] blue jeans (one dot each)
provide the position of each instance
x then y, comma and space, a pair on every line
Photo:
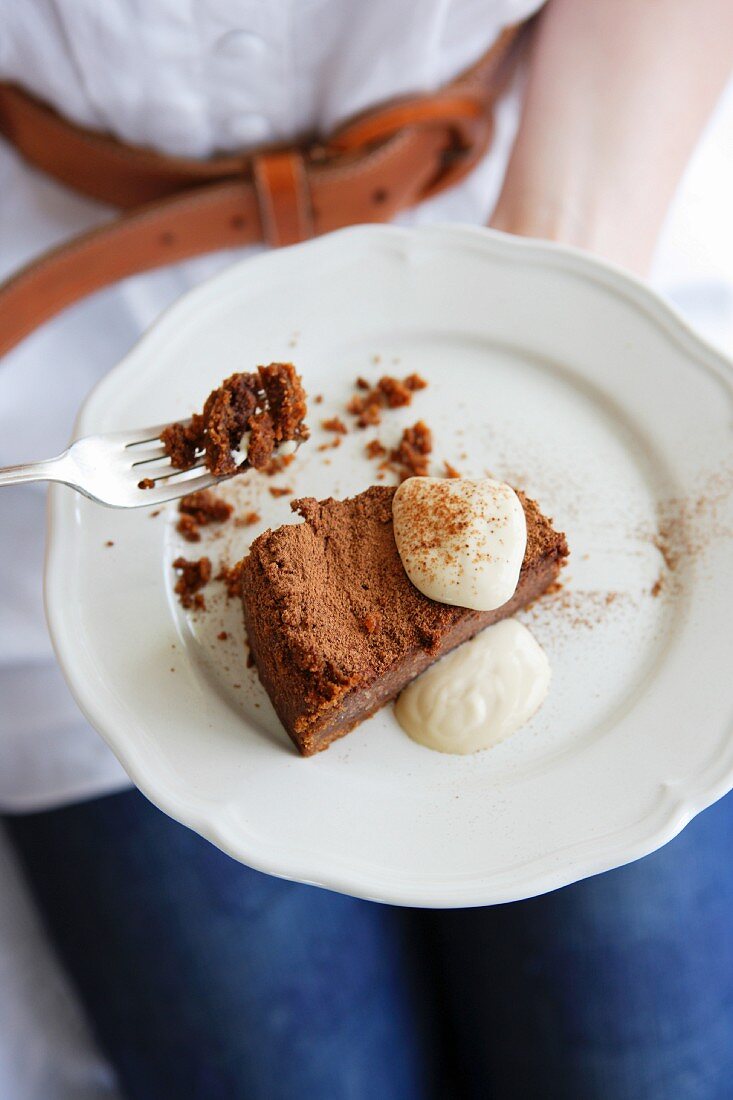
205, 980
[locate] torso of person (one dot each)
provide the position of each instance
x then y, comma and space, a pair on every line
194, 80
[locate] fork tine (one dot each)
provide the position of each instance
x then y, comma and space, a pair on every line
153, 456
168, 472
145, 435
182, 475
172, 490
139, 436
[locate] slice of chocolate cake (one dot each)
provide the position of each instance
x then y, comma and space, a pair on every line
335, 626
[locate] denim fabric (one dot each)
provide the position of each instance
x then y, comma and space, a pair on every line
207, 980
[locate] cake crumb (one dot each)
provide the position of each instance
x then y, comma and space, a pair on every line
388, 392
331, 445
247, 519
411, 457
280, 490
199, 510
109, 542
193, 576
146, 483
368, 413
277, 464
152, 515
230, 575
362, 384
318, 399
450, 470
396, 394
205, 507
188, 528
222, 635
372, 621
375, 449
334, 424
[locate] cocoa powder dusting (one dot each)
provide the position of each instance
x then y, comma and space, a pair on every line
686, 529
563, 608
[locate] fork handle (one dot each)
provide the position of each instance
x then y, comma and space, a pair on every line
52, 469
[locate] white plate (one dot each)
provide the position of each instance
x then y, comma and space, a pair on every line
546, 368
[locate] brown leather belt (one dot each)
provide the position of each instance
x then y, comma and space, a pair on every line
377, 164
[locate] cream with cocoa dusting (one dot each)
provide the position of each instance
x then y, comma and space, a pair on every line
461, 541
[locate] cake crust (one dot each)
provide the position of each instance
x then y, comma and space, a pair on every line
335, 626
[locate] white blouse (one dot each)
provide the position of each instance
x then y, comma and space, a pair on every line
210, 75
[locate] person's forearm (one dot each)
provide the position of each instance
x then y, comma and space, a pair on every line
618, 92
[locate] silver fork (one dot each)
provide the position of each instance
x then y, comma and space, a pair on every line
109, 469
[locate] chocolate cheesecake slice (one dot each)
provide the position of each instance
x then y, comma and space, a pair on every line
335, 626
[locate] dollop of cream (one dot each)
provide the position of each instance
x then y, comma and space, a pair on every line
479, 694
461, 541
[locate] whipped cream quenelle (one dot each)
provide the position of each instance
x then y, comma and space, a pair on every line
479, 694
461, 541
